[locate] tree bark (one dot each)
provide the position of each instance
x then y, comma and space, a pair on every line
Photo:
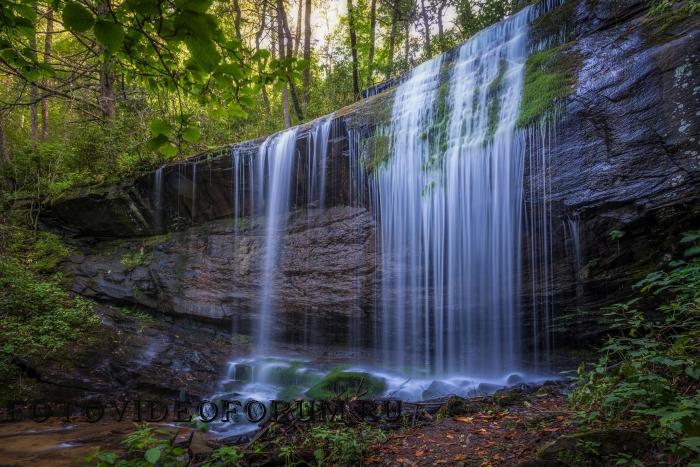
306, 77
289, 55
353, 50
297, 32
237, 19
281, 51
372, 38
33, 98
392, 37
426, 29
47, 60
258, 38
106, 99
407, 43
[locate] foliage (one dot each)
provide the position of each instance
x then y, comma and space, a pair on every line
37, 319
145, 446
225, 456
649, 373
341, 445
134, 259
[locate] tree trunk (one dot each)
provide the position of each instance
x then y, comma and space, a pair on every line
258, 38
4, 151
289, 52
440, 13
297, 32
237, 19
372, 38
306, 77
426, 29
47, 60
106, 99
281, 51
33, 100
407, 44
353, 50
392, 37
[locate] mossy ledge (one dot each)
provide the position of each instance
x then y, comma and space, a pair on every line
550, 75
346, 383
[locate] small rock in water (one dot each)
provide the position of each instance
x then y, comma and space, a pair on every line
440, 389
242, 372
514, 378
488, 388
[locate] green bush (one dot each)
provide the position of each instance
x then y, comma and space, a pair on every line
342, 445
145, 446
37, 319
649, 373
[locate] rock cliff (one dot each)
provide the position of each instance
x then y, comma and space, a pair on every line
624, 156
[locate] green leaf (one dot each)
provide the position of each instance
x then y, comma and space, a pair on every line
261, 55
692, 251
693, 372
109, 34
692, 443
156, 142
159, 127
168, 150
689, 237
107, 457
152, 455
77, 18
199, 6
191, 134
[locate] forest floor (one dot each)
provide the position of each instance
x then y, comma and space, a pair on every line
505, 429
525, 427
494, 434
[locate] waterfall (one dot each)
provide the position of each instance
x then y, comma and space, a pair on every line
316, 157
273, 184
449, 204
158, 201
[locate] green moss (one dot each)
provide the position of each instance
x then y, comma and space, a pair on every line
554, 22
376, 151
290, 393
494, 103
346, 383
663, 18
42, 252
134, 259
550, 75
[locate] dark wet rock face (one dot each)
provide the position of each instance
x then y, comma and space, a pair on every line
624, 157
136, 356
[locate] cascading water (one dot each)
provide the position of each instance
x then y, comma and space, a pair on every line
158, 198
449, 206
453, 228
273, 184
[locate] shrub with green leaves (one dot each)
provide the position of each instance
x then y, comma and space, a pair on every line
37, 318
342, 445
145, 446
649, 373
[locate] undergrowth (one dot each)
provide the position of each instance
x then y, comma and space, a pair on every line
648, 374
38, 318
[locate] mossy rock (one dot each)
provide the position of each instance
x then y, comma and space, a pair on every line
290, 393
347, 383
550, 75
